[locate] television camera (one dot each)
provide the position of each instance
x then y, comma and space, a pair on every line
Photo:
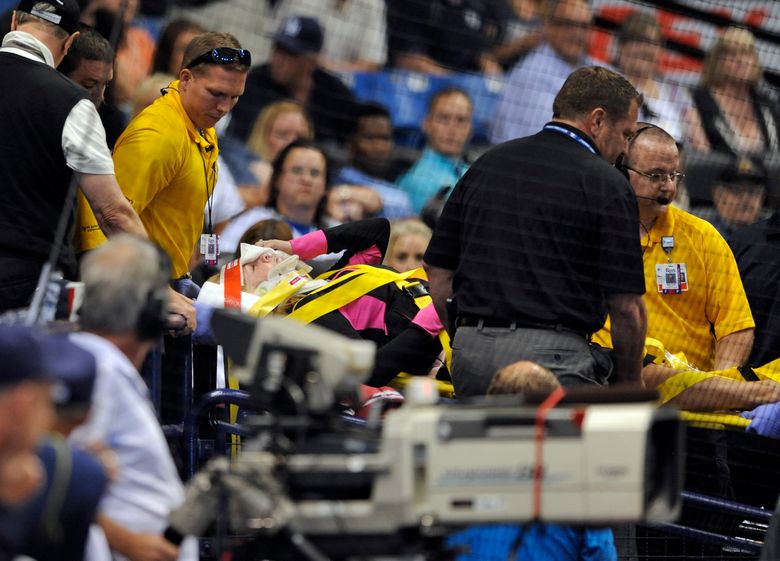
334, 489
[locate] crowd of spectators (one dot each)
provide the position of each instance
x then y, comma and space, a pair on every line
225, 115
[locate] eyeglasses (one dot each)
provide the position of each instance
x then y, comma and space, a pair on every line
314, 173
223, 55
660, 178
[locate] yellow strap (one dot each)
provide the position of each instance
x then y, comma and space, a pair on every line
714, 420
276, 295
360, 280
402, 380
232, 382
675, 385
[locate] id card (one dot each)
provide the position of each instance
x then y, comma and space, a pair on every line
209, 247
671, 278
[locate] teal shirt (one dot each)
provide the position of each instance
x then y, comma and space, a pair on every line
428, 175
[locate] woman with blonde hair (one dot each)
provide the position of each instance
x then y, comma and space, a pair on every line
408, 242
730, 114
279, 124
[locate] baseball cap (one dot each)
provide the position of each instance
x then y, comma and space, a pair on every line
72, 368
20, 355
299, 35
66, 13
744, 170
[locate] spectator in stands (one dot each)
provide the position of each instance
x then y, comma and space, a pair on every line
447, 127
252, 20
90, 63
168, 56
533, 541
440, 36
299, 188
521, 31
26, 413
294, 73
408, 242
369, 150
737, 197
757, 251
355, 37
50, 129
532, 84
640, 45
135, 49
730, 114
278, 124
175, 139
54, 525
123, 314
695, 300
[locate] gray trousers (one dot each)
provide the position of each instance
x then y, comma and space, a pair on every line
479, 352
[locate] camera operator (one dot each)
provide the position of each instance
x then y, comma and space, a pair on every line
124, 312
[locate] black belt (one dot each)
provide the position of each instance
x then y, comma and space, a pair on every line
475, 321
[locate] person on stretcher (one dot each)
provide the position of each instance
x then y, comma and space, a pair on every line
358, 297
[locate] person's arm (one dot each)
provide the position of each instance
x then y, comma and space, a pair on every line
441, 289
717, 393
364, 241
112, 210
733, 349
695, 137
520, 46
137, 546
418, 62
629, 327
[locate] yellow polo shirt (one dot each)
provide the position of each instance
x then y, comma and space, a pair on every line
165, 168
714, 305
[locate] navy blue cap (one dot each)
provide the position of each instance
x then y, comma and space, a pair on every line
300, 35
744, 171
66, 13
72, 368
20, 355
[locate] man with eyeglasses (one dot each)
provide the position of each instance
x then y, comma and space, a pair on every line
695, 300
532, 84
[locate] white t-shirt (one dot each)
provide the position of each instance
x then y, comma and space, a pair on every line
83, 136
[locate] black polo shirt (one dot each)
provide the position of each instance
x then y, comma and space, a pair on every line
541, 230
757, 251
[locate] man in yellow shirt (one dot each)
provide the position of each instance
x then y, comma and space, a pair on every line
166, 159
695, 301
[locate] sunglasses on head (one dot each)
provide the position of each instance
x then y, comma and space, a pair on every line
223, 55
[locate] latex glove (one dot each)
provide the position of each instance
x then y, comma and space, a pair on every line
765, 420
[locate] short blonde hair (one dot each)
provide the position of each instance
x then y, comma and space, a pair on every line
258, 138
407, 227
732, 37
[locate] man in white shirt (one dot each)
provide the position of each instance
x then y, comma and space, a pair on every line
122, 315
50, 130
